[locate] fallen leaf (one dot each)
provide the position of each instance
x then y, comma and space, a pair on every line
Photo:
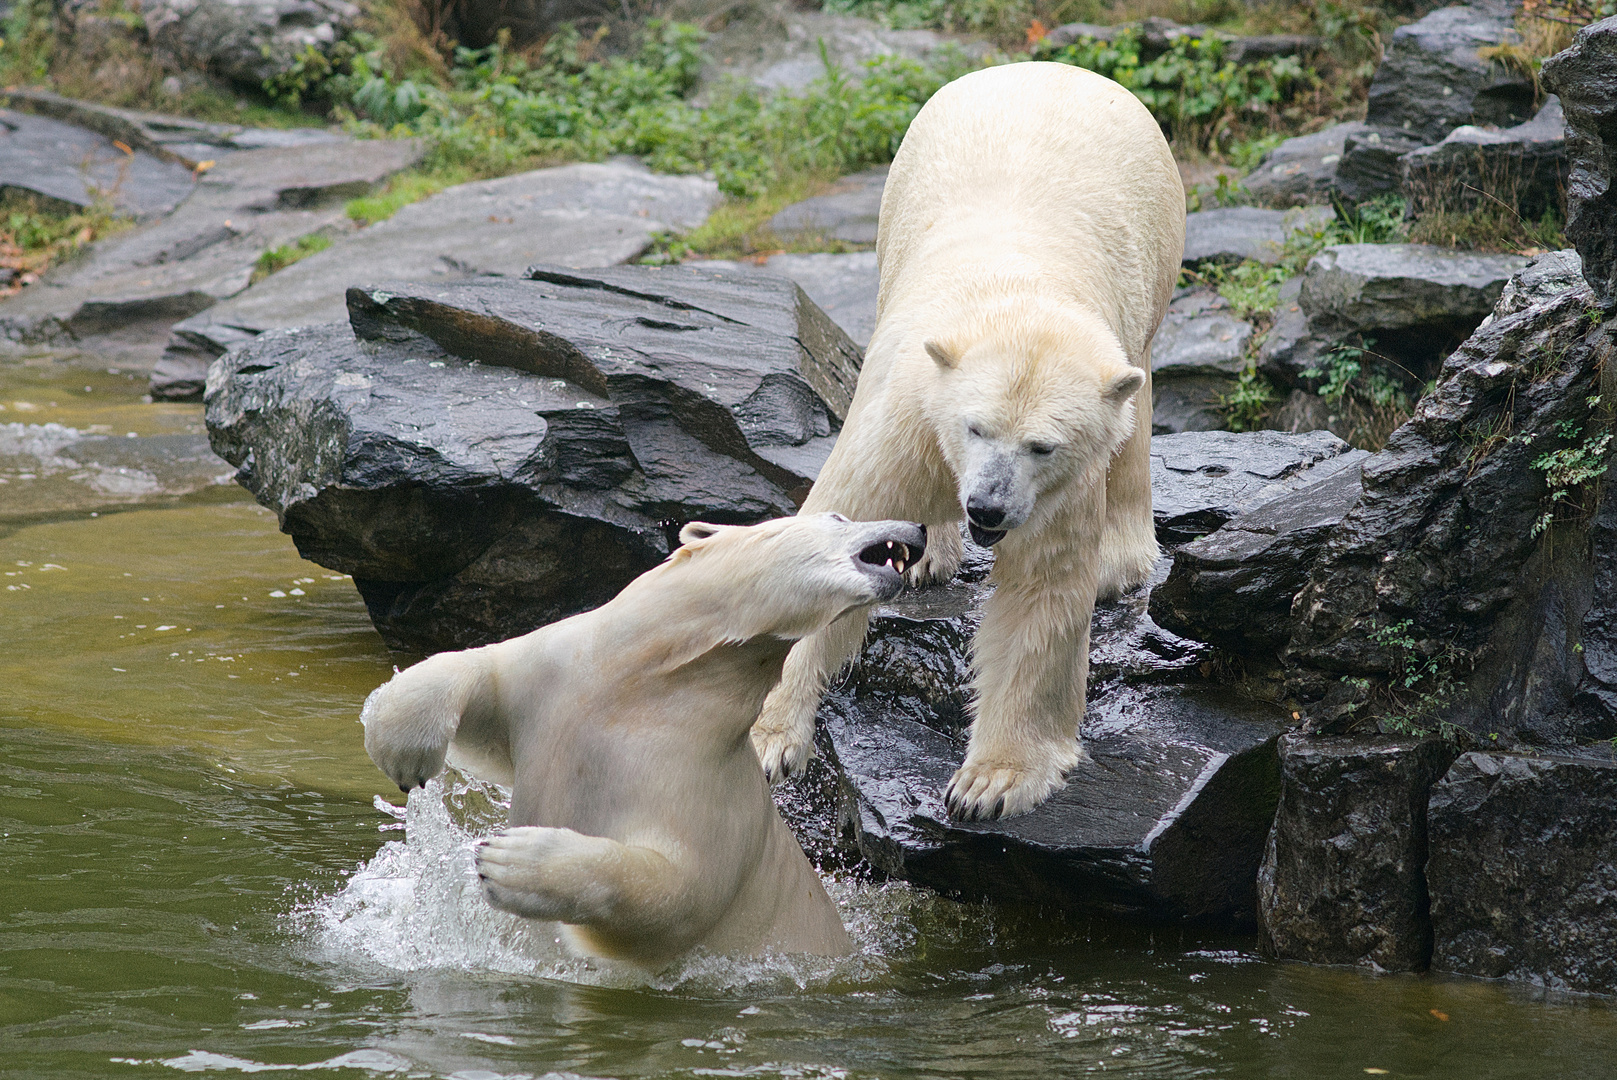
124, 147
204, 166
1036, 32
1439, 1013
1376, 1072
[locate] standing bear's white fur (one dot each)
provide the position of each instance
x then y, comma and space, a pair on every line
1030, 239
638, 814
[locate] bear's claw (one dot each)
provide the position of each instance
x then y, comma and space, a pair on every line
990, 792
780, 754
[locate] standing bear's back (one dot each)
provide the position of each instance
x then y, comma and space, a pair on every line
1035, 166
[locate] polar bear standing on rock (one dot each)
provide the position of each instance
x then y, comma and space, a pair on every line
1031, 232
638, 814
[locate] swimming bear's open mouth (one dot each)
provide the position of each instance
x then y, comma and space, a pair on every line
894, 553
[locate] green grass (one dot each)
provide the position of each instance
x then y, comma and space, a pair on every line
279, 258
36, 233
402, 190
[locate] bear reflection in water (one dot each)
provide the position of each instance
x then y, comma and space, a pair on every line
639, 815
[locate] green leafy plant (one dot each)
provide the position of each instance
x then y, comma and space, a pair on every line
1422, 680
1569, 470
1247, 405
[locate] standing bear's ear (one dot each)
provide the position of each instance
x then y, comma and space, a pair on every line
698, 530
1124, 385
941, 355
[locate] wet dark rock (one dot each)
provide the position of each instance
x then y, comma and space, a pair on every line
1231, 234
488, 455
1302, 170
1525, 167
1234, 587
1196, 354
1203, 479
846, 212
1250, 50
1372, 159
1449, 541
70, 168
1342, 879
1432, 78
1585, 79
1067, 33
1165, 820
1523, 869
245, 41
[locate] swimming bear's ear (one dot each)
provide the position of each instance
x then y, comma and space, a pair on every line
698, 530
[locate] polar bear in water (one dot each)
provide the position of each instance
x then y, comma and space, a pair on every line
1030, 237
639, 816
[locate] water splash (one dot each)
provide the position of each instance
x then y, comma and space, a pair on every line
417, 906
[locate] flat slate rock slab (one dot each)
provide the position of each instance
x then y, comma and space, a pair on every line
1233, 233
844, 286
206, 249
588, 215
67, 164
847, 212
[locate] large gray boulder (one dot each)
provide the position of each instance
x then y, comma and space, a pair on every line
843, 285
1301, 170
1343, 878
1585, 79
1432, 78
1460, 546
1524, 167
1523, 869
245, 41
1371, 163
488, 455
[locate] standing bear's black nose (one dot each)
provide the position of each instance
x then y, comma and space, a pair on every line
984, 515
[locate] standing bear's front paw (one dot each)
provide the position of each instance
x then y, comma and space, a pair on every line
782, 752
986, 790
944, 551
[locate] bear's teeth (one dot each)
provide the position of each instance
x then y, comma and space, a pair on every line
899, 566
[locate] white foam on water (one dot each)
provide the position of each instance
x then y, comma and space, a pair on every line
376, 1061
417, 906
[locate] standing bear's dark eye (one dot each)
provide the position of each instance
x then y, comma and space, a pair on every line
974, 431
1041, 449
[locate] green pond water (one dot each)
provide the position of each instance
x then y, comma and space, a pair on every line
200, 870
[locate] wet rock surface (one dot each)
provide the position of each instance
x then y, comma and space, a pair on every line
1234, 233
1523, 869
1372, 160
847, 212
1202, 479
1585, 79
588, 215
489, 455
1343, 877
1234, 587
1432, 78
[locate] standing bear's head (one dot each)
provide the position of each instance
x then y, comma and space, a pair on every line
786, 578
1026, 400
